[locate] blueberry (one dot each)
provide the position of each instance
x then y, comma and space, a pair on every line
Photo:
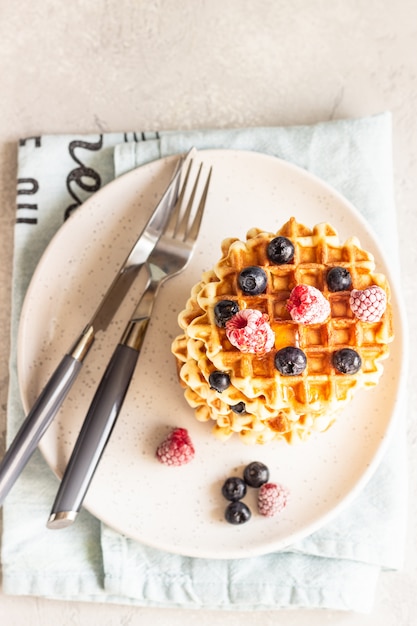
347, 361
252, 280
234, 489
239, 408
290, 361
237, 513
224, 310
339, 279
219, 381
256, 474
280, 250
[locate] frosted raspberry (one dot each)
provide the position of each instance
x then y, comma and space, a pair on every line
369, 304
307, 305
176, 449
250, 331
272, 499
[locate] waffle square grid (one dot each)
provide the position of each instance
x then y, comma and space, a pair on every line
278, 406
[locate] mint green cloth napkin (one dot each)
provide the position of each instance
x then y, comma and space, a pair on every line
336, 567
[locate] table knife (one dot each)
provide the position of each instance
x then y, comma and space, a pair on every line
59, 384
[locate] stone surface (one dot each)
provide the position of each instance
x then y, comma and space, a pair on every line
167, 64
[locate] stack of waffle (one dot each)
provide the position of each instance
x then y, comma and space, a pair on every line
261, 404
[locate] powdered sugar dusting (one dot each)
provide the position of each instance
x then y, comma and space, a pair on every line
272, 499
250, 332
307, 305
369, 304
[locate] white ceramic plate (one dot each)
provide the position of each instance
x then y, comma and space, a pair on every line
181, 509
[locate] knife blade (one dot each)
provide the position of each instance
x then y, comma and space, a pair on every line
59, 384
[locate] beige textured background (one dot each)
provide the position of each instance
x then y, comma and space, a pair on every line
114, 65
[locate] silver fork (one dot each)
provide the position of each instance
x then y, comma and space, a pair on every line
169, 257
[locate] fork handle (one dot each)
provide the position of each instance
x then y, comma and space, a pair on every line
102, 414
94, 436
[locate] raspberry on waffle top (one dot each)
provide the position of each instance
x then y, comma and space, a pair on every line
260, 403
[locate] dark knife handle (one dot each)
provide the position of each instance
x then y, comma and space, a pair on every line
93, 437
36, 423
43, 412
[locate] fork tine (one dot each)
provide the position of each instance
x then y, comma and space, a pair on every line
181, 231
172, 225
195, 226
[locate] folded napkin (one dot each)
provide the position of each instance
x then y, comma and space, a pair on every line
337, 567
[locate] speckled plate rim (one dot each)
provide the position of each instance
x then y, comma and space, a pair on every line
195, 528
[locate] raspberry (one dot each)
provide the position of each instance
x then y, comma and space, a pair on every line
177, 449
250, 331
272, 498
307, 305
369, 304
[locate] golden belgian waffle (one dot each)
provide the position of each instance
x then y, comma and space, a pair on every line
276, 406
